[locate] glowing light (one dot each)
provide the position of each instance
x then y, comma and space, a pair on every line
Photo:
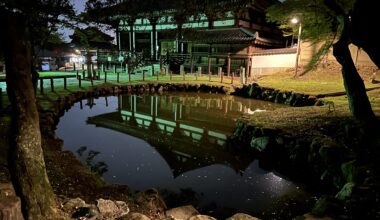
76, 59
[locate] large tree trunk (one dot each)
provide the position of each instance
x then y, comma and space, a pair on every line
26, 159
364, 33
353, 83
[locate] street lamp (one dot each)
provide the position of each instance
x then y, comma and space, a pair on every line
296, 21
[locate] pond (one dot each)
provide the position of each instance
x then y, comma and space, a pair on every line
174, 142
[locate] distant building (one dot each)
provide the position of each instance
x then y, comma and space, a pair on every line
226, 40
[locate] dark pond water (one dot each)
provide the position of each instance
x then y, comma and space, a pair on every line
174, 142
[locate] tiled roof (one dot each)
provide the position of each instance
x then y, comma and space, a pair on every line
217, 36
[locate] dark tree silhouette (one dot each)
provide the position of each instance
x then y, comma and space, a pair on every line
345, 22
88, 39
26, 160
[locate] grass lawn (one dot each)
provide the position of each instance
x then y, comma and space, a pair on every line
55, 73
314, 83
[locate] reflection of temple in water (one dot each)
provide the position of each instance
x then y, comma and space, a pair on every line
188, 131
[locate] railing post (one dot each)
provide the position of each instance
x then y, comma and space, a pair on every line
144, 74
242, 75
77, 74
191, 64
105, 76
220, 73
169, 73
228, 65
83, 74
64, 82
209, 64
118, 75
51, 84
92, 70
41, 86
1, 98
80, 81
181, 69
232, 78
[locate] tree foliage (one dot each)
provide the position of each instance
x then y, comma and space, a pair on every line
91, 38
337, 24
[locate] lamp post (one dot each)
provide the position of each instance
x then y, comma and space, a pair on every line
295, 21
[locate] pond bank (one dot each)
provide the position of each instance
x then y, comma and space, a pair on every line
51, 117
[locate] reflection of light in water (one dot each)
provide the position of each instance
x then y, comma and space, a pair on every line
276, 184
134, 162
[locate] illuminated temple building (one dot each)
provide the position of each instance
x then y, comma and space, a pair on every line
225, 39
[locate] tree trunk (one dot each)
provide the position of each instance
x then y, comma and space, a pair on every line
26, 159
364, 32
356, 93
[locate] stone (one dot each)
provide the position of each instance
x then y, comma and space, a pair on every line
327, 206
10, 204
109, 208
106, 206
349, 170
10, 208
182, 212
123, 208
242, 216
309, 216
279, 98
81, 212
260, 144
6, 189
73, 204
134, 216
201, 217
346, 191
151, 200
280, 140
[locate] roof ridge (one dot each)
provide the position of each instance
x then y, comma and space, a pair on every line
249, 32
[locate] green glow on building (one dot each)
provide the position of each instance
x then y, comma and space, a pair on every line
162, 121
126, 112
217, 135
196, 136
195, 25
191, 128
224, 23
146, 117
